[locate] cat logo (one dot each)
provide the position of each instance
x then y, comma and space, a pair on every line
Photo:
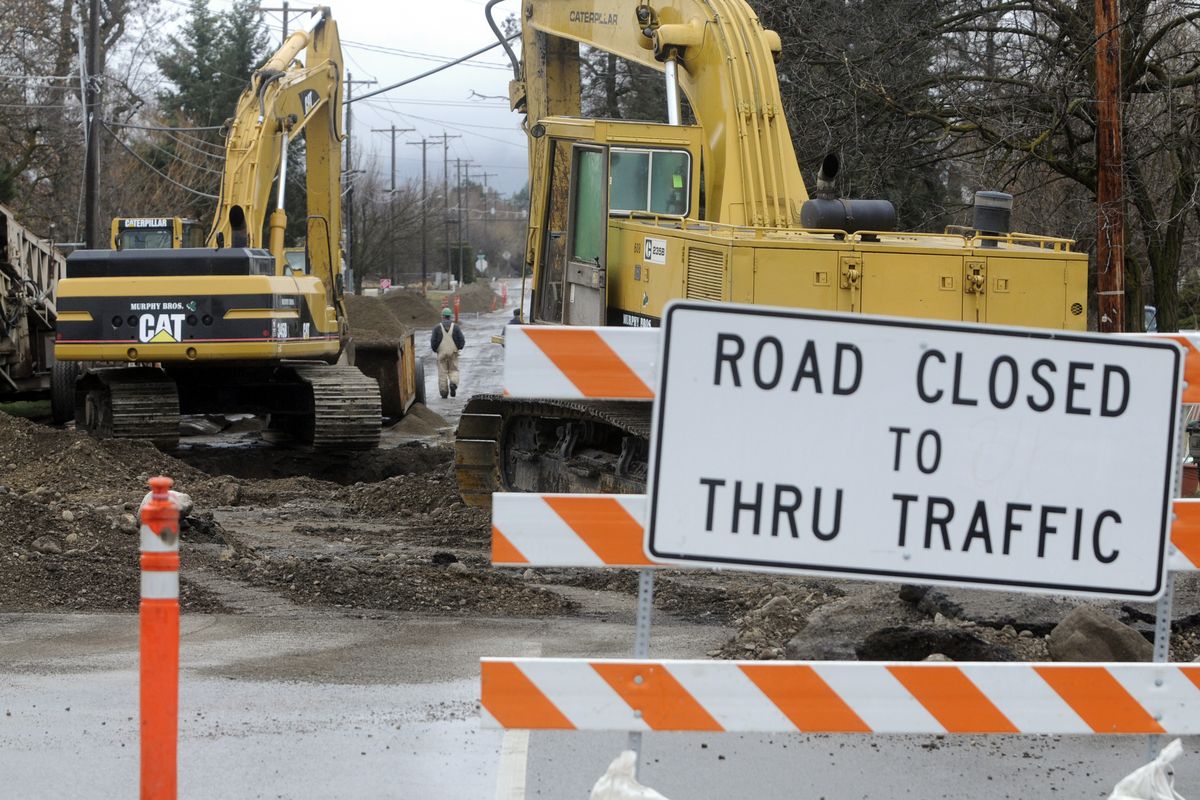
160, 328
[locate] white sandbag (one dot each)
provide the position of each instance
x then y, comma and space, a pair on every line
1155, 781
182, 501
619, 782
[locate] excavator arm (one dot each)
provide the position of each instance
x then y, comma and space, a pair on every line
725, 62
286, 98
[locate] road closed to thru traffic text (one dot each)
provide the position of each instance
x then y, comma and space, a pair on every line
923, 452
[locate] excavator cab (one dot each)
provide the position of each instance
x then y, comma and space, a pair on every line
603, 174
156, 233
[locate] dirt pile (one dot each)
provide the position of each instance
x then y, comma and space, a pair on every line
372, 320
477, 298
411, 308
421, 492
60, 554
80, 468
421, 421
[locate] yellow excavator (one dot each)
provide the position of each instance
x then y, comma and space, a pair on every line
624, 216
231, 326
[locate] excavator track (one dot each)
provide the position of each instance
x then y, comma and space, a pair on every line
506, 445
129, 403
345, 407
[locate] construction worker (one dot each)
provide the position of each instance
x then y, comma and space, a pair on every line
446, 341
516, 320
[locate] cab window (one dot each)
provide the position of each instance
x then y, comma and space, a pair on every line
144, 239
193, 236
649, 181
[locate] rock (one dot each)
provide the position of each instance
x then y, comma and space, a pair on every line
529, 575
72, 538
905, 643
227, 554
832, 631
126, 523
68, 516
458, 567
912, 592
1088, 634
388, 557
940, 619
1038, 613
1026, 634
1008, 630
780, 604
48, 545
228, 493
937, 657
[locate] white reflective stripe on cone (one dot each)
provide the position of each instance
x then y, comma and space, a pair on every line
157, 585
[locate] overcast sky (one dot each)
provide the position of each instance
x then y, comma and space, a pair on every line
388, 41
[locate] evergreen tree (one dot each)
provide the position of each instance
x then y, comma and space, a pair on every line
208, 65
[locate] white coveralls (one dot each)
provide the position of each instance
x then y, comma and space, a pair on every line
447, 360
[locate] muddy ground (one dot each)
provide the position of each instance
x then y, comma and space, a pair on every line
286, 531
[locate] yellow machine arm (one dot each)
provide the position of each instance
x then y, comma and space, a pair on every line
725, 62
284, 99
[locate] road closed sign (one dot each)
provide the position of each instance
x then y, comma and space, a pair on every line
896, 449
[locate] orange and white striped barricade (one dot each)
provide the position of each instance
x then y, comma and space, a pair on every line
841, 696
557, 530
607, 530
576, 363
159, 642
573, 363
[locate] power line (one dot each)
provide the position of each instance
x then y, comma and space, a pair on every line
413, 54
433, 71
166, 128
155, 169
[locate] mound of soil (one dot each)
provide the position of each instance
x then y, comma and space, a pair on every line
421, 421
411, 308
59, 554
416, 493
476, 298
371, 320
80, 468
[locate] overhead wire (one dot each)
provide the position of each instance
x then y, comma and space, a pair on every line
166, 127
155, 169
427, 73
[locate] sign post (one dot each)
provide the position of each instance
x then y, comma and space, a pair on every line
901, 450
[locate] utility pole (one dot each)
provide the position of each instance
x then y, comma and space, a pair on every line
484, 198
91, 168
446, 193
458, 167
392, 199
467, 216
424, 145
352, 238
285, 10
1110, 201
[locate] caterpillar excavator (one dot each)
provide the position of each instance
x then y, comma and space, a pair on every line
232, 326
624, 216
